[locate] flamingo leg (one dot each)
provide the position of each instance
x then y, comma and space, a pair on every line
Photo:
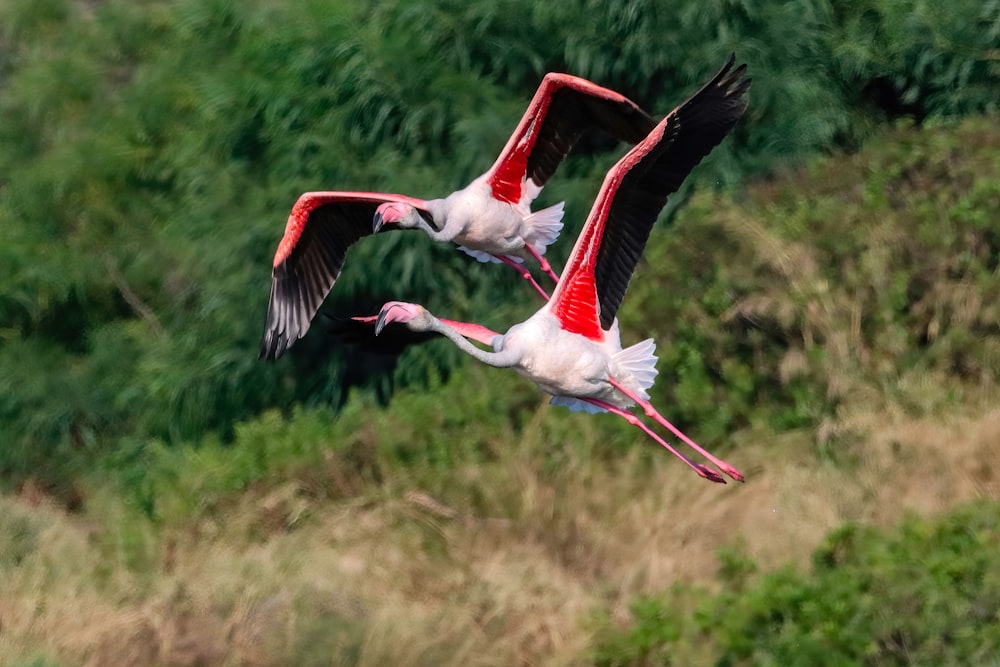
652, 412
546, 267
702, 470
524, 274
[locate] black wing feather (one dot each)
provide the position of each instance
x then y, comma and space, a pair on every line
691, 131
301, 282
570, 114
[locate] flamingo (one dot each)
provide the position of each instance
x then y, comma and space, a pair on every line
571, 347
490, 219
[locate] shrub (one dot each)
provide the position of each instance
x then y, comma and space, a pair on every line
925, 593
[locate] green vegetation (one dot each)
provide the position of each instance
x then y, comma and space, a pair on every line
926, 594
826, 317
149, 153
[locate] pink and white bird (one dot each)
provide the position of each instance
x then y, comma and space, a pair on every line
571, 348
490, 219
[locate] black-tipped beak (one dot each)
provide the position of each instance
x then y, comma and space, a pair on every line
377, 222
380, 322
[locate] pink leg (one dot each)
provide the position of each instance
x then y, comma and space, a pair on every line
651, 412
703, 471
546, 267
524, 274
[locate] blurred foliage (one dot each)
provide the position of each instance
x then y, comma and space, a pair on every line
149, 152
926, 593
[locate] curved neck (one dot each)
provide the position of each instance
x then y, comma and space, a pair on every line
501, 359
440, 236
437, 209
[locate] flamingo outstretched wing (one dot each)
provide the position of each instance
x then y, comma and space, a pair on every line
634, 192
563, 108
310, 256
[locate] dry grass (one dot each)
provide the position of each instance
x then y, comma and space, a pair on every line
404, 578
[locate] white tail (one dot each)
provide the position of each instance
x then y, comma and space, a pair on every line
638, 361
544, 226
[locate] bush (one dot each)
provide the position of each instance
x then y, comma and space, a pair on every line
926, 593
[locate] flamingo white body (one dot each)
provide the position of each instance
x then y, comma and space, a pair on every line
482, 226
571, 347
490, 219
582, 366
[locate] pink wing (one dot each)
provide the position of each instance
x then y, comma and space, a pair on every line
563, 108
598, 271
310, 256
476, 332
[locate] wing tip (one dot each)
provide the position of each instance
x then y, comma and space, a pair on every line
272, 346
733, 81
277, 338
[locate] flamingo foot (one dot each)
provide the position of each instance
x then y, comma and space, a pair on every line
652, 412
729, 470
702, 470
708, 473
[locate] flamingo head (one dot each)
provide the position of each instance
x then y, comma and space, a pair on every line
415, 317
402, 215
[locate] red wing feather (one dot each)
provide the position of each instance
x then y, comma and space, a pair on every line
574, 301
562, 109
320, 229
310, 201
634, 192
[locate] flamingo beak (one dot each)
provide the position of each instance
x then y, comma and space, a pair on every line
377, 222
380, 323
384, 318
396, 311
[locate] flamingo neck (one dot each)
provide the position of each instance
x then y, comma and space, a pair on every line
504, 358
439, 214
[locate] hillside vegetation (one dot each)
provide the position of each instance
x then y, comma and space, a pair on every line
826, 319
470, 523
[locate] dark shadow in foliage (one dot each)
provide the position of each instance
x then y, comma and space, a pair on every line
367, 360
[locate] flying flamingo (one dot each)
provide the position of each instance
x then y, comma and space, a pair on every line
490, 219
571, 347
